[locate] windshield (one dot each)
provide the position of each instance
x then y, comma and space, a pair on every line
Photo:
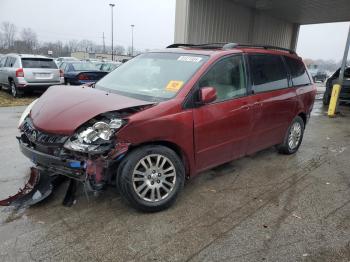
84, 66
152, 76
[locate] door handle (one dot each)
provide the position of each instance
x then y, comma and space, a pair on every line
257, 104
246, 107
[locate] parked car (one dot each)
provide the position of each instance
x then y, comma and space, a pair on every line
80, 72
62, 59
344, 95
108, 66
168, 115
27, 73
320, 76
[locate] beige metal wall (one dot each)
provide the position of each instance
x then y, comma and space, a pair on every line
203, 21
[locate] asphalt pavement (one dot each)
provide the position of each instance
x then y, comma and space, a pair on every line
265, 207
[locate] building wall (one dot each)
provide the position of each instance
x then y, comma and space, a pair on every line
203, 21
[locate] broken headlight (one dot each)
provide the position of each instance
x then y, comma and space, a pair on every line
94, 137
26, 112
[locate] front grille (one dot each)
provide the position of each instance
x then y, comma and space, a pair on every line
36, 136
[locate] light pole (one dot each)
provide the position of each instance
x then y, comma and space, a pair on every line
132, 40
112, 5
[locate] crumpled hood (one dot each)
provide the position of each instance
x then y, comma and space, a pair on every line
62, 109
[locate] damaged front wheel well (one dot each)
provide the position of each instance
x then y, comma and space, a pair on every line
170, 145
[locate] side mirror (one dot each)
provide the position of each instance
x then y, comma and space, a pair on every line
207, 95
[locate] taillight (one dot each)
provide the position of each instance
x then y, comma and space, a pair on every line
83, 77
19, 72
61, 73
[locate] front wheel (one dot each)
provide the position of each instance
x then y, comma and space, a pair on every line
326, 98
293, 137
151, 177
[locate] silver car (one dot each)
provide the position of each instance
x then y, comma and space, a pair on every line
26, 73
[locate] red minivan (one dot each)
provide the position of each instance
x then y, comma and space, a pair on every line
167, 115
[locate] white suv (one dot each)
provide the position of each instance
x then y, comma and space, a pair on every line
27, 73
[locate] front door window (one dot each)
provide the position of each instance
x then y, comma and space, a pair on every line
227, 77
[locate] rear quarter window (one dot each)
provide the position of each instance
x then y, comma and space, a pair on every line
10, 61
2, 61
298, 71
268, 72
38, 63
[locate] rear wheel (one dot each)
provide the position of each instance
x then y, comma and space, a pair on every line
150, 178
14, 90
293, 137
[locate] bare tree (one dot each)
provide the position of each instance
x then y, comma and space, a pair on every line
73, 45
2, 41
30, 39
8, 32
119, 50
86, 45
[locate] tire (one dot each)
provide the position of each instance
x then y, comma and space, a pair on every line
326, 98
14, 90
66, 82
293, 137
150, 188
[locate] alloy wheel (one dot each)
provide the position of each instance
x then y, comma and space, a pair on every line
13, 89
154, 177
294, 135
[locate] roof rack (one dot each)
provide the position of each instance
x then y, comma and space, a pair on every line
227, 46
267, 47
206, 46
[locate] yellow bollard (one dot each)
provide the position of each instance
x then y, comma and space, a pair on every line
333, 102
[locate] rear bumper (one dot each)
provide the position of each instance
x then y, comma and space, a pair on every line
23, 84
35, 87
82, 82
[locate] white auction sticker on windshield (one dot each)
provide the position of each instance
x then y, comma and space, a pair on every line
194, 59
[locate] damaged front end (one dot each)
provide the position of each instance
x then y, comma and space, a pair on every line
89, 156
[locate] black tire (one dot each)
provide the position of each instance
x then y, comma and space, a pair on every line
326, 98
127, 187
285, 147
14, 90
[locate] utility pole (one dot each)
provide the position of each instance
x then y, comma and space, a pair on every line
104, 45
112, 5
334, 102
132, 40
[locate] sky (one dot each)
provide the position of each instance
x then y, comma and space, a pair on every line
323, 41
154, 22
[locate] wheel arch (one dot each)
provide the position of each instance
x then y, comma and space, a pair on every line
303, 116
176, 148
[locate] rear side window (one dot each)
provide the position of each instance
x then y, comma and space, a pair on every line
38, 63
2, 61
268, 73
298, 72
10, 61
